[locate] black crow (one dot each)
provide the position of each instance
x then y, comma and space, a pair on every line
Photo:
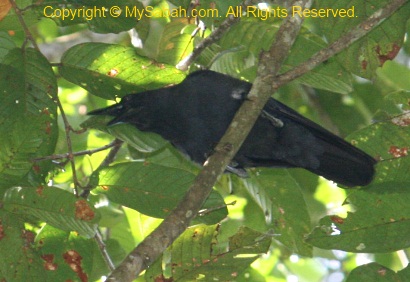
194, 115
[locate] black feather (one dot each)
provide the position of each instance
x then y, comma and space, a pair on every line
194, 115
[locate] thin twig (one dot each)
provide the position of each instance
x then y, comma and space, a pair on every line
101, 245
117, 143
79, 153
111, 155
29, 36
213, 209
70, 156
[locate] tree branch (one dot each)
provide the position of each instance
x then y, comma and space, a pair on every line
79, 153
70, 156
155, 244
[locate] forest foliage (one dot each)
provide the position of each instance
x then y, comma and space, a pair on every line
276, 225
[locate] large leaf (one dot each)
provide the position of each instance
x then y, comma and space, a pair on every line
28, 126
67, 255
381, 44
384, 139
281, 201
378, 224
6, 44
198, 254
168, 43
18, 259
145, 142
377, 272
110, 71
152, 189
57, 207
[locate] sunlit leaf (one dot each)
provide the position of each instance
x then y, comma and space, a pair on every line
380, 219
377, 272
110, 71
57, 207
197, 253
282, 203
152, 189
66, 254
19, 260
27, 114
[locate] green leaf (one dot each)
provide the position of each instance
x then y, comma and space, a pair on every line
384, 139
66, 254
6, 44
109, 71
381, 217
57, 207
394, 75
145, 142
401, 98
19, 261
28, 126
198, 254
170, 43
281, 201
381, 44
376, 272
152, 189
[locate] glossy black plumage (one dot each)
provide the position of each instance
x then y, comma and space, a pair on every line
194, 115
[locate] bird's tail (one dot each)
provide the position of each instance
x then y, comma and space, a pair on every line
339, 161
345, 164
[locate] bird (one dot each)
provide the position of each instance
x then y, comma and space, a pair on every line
194, 114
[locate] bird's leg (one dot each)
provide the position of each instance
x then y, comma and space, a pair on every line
238, 171
275, 121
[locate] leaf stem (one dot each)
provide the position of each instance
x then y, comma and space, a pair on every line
29, 36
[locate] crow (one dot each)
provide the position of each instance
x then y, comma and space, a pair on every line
194, 115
